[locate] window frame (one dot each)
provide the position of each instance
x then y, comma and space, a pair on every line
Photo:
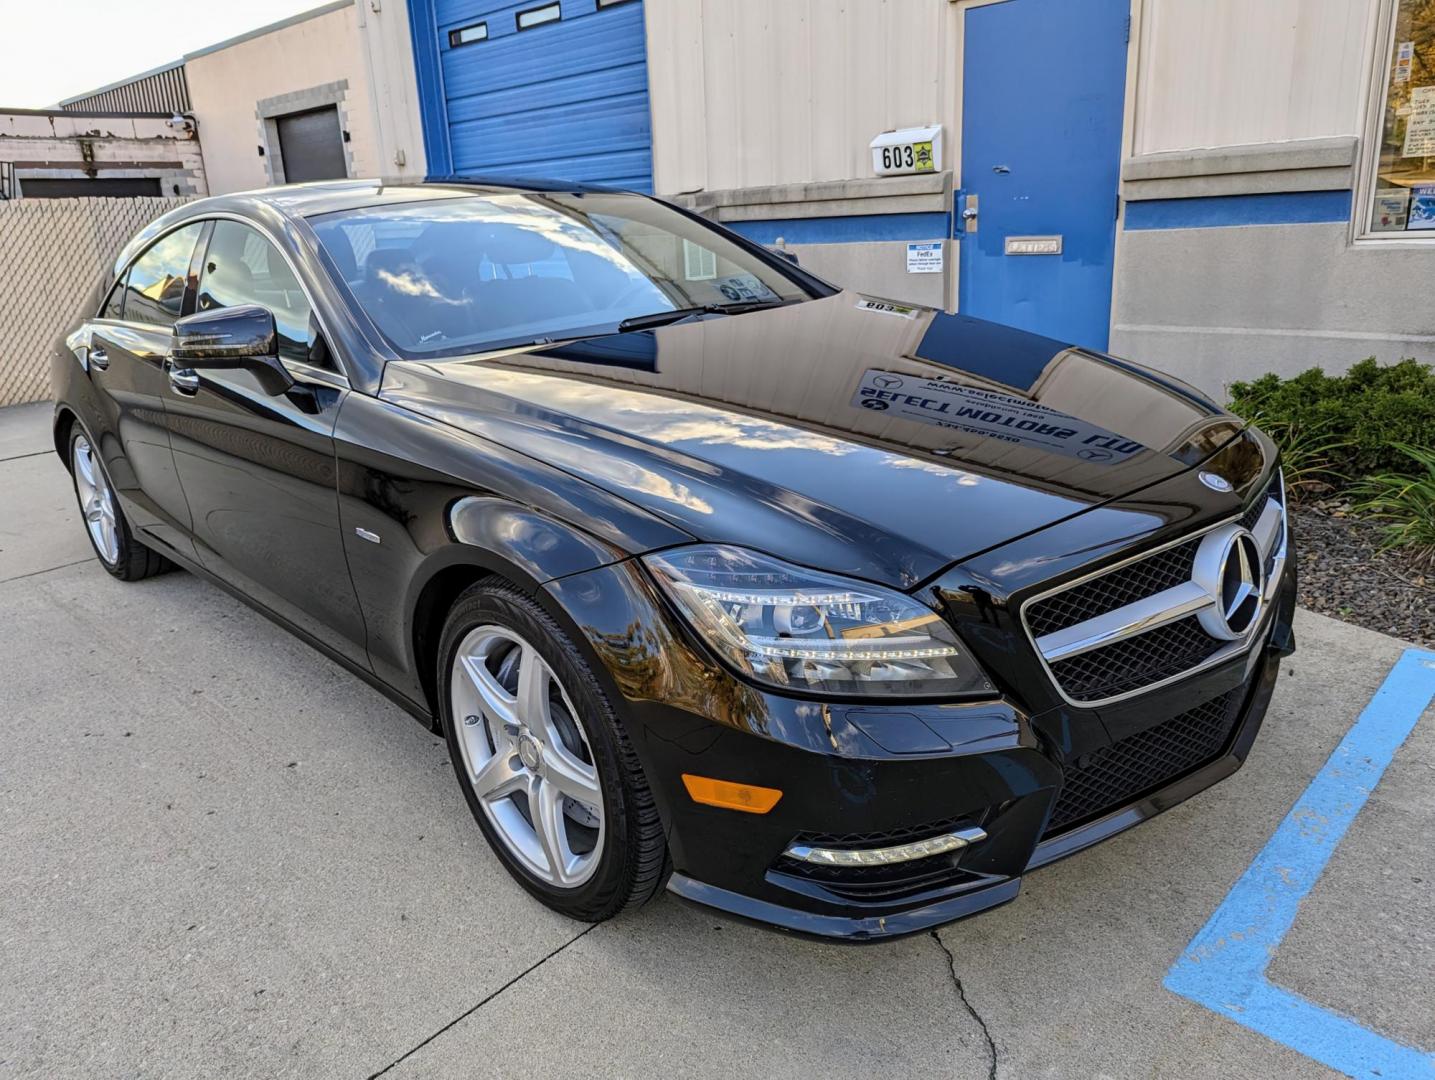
551, 5
338, 378
1377, 89
119, 283
455, 35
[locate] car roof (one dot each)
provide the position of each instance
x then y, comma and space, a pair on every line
329, 196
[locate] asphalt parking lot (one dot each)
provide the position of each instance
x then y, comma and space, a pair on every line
224, 856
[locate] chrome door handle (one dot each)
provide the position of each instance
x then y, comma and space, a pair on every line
183, 381
99, 358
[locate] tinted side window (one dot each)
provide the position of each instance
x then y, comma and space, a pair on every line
154, 288
241, 267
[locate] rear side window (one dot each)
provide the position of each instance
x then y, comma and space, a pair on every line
241, 267
155, 284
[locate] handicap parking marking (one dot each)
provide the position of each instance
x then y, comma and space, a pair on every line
1224, 966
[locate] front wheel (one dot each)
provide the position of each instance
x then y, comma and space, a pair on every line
115, 545
546, 768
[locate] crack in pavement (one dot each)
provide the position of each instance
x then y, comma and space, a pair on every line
962, 995
466, 1014
28, 454
47, 570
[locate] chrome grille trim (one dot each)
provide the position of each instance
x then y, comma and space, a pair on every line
1124, 622
1269, 529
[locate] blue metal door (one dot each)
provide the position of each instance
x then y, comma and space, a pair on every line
556, 90
1043, 83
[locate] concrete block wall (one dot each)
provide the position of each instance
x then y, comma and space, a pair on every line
54, 253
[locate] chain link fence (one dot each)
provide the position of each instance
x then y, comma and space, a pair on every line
53, 253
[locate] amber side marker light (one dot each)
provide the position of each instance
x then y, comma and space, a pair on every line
749, 798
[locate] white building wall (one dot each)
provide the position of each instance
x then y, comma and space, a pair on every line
1259, 98
228, 83
388, 54
750, 93
1235, 72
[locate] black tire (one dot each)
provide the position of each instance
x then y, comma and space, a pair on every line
634, 863
134, 561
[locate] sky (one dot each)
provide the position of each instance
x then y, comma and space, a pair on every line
53, 49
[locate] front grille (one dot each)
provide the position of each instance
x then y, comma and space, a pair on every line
873, 883
1123, 772
1136, 581
1257, 508
1136, 661
1096, 638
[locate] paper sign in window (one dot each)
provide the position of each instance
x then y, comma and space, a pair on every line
1420, 124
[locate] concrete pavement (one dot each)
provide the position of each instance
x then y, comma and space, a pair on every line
223, 856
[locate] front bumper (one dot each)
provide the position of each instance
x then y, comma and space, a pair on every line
873, 775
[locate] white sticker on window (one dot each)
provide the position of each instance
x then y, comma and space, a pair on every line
743, 287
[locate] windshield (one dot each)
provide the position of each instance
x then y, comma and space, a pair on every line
478, 272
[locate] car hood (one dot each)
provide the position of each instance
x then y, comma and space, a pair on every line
846, 433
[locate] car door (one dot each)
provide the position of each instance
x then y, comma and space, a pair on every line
258, 468
128, 344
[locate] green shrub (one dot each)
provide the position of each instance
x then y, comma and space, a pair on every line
1341, 427
1405, 503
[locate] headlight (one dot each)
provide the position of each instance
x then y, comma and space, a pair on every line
798, 629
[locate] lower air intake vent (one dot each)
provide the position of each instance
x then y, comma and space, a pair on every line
1121, 773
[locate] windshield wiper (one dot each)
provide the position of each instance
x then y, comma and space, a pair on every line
664, 318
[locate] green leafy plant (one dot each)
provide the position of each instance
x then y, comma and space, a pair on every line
1405, 503
1308, 454
1333, 428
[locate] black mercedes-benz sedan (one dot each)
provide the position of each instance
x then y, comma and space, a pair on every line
824, 610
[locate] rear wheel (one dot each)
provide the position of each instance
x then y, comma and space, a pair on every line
115, 545
544, 764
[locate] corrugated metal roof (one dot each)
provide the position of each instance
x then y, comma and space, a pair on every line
159, 90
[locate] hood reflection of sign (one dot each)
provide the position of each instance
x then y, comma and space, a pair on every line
991, 414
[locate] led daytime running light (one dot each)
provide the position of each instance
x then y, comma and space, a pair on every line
787, 599
863, 649
885, 856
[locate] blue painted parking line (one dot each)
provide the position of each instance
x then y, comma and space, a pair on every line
1224, 967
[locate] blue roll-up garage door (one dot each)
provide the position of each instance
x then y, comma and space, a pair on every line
557, 89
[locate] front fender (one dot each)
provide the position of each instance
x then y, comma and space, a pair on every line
426, 510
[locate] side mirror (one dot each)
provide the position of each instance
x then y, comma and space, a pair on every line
235, 337
783, 253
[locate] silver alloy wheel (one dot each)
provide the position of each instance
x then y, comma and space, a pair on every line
527, 757
97, 501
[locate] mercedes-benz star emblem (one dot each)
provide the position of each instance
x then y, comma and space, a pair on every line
1215, 482
1228, 566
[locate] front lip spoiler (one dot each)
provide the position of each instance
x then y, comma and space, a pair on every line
874, 928
836, 927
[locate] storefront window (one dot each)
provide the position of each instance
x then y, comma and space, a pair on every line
1404, 189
